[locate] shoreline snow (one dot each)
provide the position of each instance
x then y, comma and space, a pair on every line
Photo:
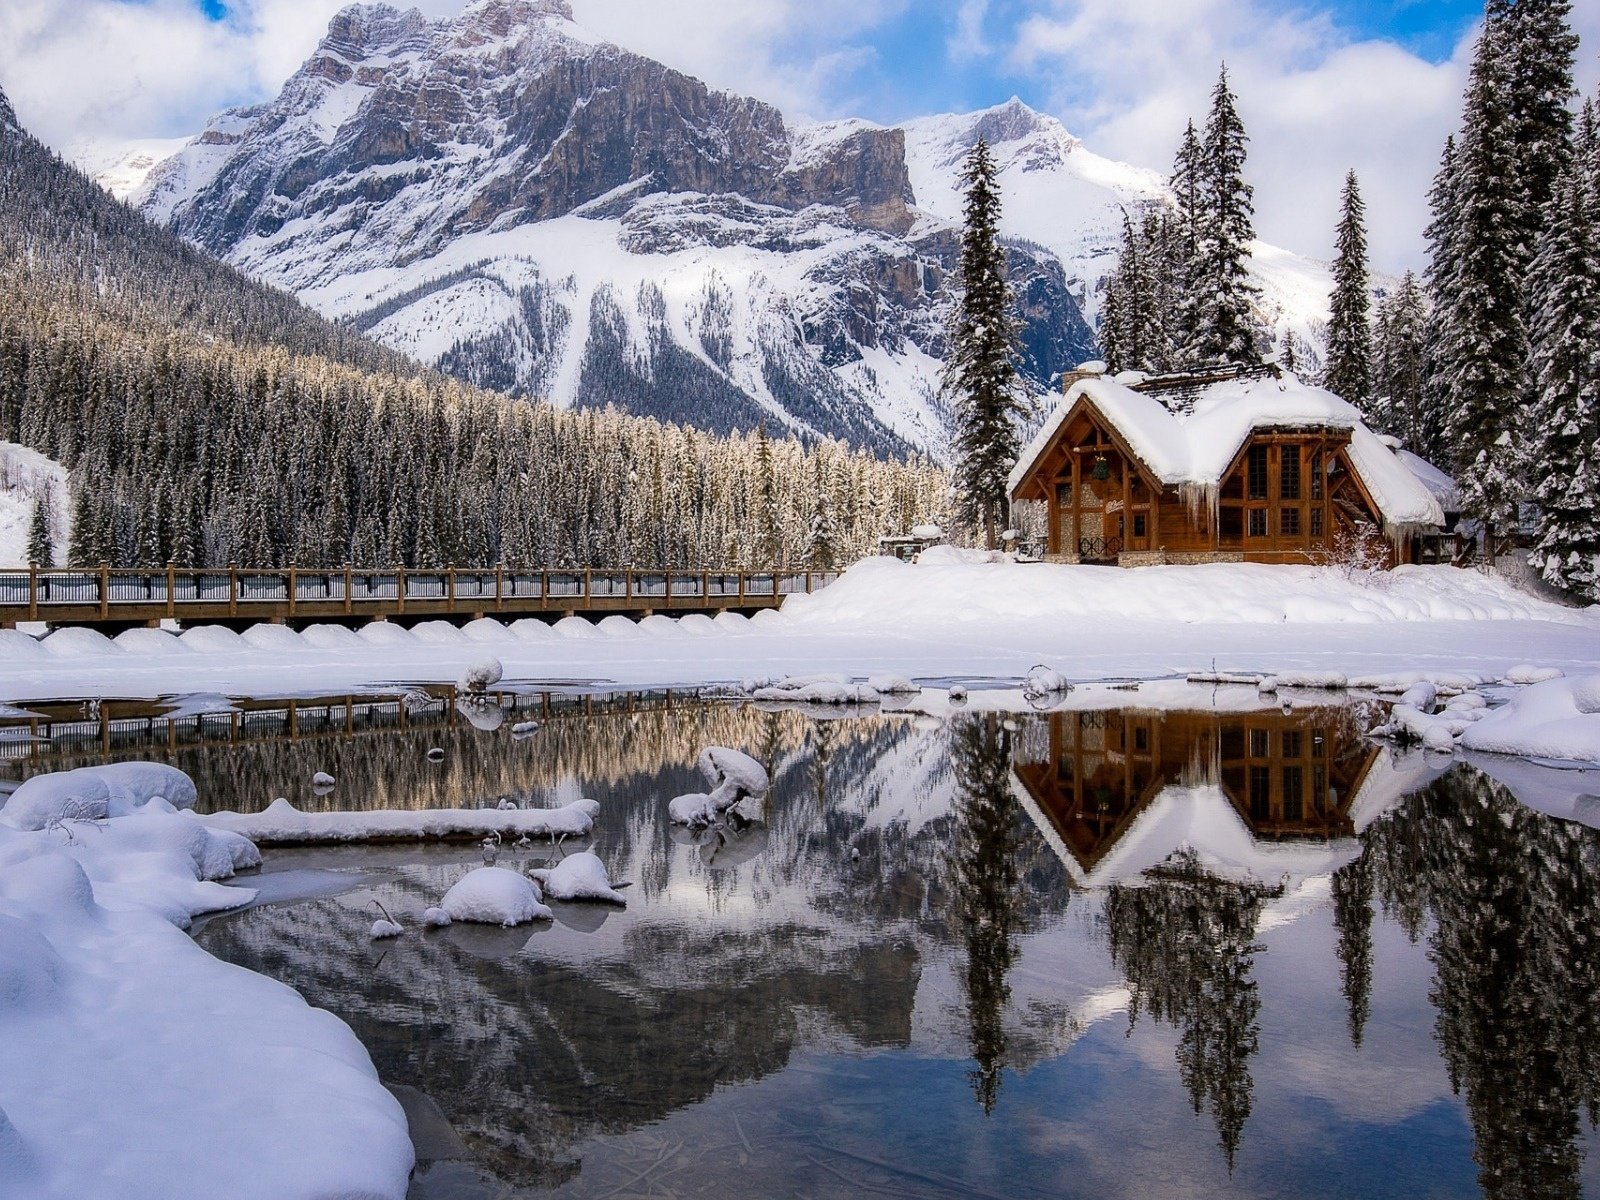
882, 618
282, 824
120, 1037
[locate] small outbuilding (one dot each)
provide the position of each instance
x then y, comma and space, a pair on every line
1227, 465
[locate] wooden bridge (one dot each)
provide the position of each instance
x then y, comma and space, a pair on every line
127, 598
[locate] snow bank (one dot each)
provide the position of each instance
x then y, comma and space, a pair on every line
487, 630
333, 637
151, 641
94, 793
888, 595
120, 1037
282, 824
1558, 719
494, 896
579, 877
816, 689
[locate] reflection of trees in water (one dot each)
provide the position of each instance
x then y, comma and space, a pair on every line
983, 851
1186, 943
1352, 917
1514, 898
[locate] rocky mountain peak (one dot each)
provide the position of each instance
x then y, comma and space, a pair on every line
506, 15
8, 117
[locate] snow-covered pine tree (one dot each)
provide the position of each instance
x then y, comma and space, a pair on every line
1485, 346
41, 538
1119, 321
1183, 262
1399, 407
1227, 329
822, 540
980, 383
1349, 367
1541, 50
1441, 278
1564, 282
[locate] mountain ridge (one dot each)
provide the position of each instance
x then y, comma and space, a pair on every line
505, 196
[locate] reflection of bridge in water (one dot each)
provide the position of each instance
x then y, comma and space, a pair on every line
125, 598
61, 734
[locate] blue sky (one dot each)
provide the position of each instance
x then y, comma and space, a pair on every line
1324, 85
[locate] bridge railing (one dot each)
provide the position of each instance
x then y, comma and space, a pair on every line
40, 591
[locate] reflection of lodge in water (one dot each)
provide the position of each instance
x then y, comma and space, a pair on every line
1288, 776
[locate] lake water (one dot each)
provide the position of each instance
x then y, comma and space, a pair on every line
1194, 948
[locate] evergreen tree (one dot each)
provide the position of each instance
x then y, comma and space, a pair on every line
1349, 365
980, 379
1541, 49
1565, 278
41, 536
1226, 330
1442, 277
1191, 192
985, 878
822, 551
1484, 342
1400, 371
1352, 916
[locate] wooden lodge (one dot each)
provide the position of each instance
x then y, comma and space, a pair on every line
1289, 777
1231, 466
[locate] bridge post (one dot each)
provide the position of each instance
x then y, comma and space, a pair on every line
33, 591
450, 587
705, 588
499, 589
105, 590
233, 590
666, 602
349, 588
544, 589
400, 588
627, 586
294, 587
588, 584
172, 587
742, 578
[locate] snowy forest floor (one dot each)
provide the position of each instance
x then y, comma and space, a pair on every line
931, 622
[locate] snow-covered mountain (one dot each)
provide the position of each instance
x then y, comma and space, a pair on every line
121, 167
506, 196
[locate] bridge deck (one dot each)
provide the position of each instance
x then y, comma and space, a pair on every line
118, 596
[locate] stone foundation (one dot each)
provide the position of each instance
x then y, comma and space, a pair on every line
1172, 558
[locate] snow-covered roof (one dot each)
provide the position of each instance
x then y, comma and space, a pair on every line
1444, 489
1196, 447
1199, 821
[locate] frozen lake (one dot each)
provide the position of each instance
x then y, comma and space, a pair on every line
1152, 945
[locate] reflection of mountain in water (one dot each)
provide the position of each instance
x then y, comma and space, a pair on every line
888, 891
716, 974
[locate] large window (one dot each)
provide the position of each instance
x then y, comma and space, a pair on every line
1258, 473
1316, 522
1293, 794
1316, 475
1289, 474
1260, 793
1289, 522
1257, 522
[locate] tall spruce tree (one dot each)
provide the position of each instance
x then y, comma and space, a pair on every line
1226, 330
1541, 49
41, 535
1349, 366
980, 375
1565, 279
1399, 407
1485, 345
1190, 193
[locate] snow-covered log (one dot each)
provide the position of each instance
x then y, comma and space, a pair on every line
494, 896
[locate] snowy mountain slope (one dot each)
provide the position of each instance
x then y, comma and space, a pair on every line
122, 167
505, 196
24, 474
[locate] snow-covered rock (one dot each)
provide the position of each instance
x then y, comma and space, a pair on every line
1043, 682
383, 928
494, 896
817, 689
323, 782
435, 918
481, 675
579, 876
733, 777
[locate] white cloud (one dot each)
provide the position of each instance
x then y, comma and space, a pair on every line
158, 68
1316, 103
966, 41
